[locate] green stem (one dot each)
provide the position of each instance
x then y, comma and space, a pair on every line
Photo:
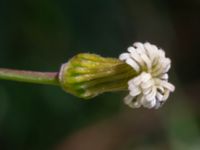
50, 78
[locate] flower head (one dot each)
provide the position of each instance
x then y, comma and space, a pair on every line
150, 88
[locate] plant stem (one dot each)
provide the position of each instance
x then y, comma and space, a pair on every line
50, 78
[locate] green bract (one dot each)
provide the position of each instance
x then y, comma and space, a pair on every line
87, 75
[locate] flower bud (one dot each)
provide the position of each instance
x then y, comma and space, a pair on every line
88, 75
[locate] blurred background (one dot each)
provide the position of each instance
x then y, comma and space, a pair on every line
42, 34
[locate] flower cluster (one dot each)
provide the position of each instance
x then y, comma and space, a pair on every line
150, 88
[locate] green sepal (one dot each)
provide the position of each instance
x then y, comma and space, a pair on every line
88, 75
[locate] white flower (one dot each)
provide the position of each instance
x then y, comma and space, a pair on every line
150, 88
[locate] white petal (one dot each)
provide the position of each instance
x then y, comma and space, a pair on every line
154, 47
155, 61
131, 81
137, 58
150, 50
145, 77
132, 87
158, 69
131, 49
134, 92
139, 46
133, 64
124, 56
152, 94
166, 95
168, 85
147, 84
137, 80
128, 99
161, 89
147, 61
159, 96
153, 103
147, 104
158, 105
167, 61
164, 76
161, 53
147, 91
136, 104
166, 69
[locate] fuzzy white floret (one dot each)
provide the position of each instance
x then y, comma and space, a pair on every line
150, 88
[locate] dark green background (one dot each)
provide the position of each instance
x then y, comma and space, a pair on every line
42, 34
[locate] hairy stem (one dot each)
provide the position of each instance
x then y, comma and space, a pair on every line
50, 78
